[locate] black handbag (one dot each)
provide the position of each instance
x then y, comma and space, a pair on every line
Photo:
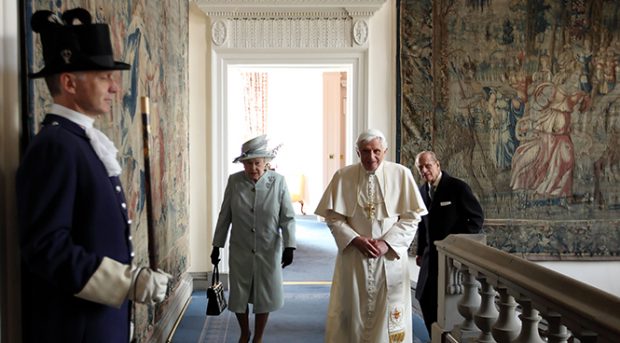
216, 301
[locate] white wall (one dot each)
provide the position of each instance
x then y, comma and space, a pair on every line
600, 274
382, 74
200, 223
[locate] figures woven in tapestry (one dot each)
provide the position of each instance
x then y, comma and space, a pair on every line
152, 37
525, 107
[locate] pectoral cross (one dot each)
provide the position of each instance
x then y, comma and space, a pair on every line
370, 209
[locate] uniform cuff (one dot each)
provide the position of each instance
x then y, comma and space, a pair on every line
109, 284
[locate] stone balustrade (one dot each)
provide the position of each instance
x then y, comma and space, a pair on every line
488, 295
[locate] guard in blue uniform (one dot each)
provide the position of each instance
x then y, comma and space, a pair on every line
77, 273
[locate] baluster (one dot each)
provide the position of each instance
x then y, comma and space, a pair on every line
529, 323
453, 285
507, 326
557, 331
487, 313
470, 301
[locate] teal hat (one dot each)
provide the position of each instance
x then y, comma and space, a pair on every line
255, 148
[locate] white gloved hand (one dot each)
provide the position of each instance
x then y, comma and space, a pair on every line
148, 286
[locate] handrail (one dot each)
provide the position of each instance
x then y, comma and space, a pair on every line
583, 308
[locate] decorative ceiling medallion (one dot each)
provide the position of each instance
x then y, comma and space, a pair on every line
360, 32
218, 32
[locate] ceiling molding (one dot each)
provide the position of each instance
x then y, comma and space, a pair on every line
243, 9
289, 24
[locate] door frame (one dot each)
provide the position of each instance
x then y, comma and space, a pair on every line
219, 126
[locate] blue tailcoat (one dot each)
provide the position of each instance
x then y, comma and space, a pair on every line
71, 215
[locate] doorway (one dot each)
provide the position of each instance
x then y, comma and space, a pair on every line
306, 113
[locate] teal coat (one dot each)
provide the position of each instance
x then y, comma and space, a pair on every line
263, 221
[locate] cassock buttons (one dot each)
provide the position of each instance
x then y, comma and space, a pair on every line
133, 254
130, 237
124, 206
129, 221
118, 189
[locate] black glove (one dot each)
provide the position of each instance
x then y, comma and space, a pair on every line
287, 256
215, 256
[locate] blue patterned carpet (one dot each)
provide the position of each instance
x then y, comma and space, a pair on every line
306, 295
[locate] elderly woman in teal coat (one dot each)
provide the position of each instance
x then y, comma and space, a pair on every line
262, 236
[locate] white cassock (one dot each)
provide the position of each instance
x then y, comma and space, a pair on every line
370, 298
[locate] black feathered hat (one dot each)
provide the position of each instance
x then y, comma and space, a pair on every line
70, 46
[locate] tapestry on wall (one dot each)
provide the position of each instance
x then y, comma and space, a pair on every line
152, 37
525, 108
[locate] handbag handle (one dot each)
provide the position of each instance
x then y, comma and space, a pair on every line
215, 277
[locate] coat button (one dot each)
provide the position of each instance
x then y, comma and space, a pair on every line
118, 189
130, 237
253, 189
129, 221
132, 254
55, 123
123, 205
252, 210
253, 230
253, 251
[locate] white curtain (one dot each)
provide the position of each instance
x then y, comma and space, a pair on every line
255, 93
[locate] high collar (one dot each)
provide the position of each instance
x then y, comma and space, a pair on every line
76, 117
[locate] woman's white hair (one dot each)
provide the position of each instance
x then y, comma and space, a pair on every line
370, 135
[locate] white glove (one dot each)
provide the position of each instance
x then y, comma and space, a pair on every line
148, 286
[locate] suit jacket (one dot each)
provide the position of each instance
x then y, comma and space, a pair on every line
454, 209
71, 215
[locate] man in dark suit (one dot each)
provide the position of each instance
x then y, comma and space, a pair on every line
452, 208
76, 246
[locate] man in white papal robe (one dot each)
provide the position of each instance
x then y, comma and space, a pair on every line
372, 209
